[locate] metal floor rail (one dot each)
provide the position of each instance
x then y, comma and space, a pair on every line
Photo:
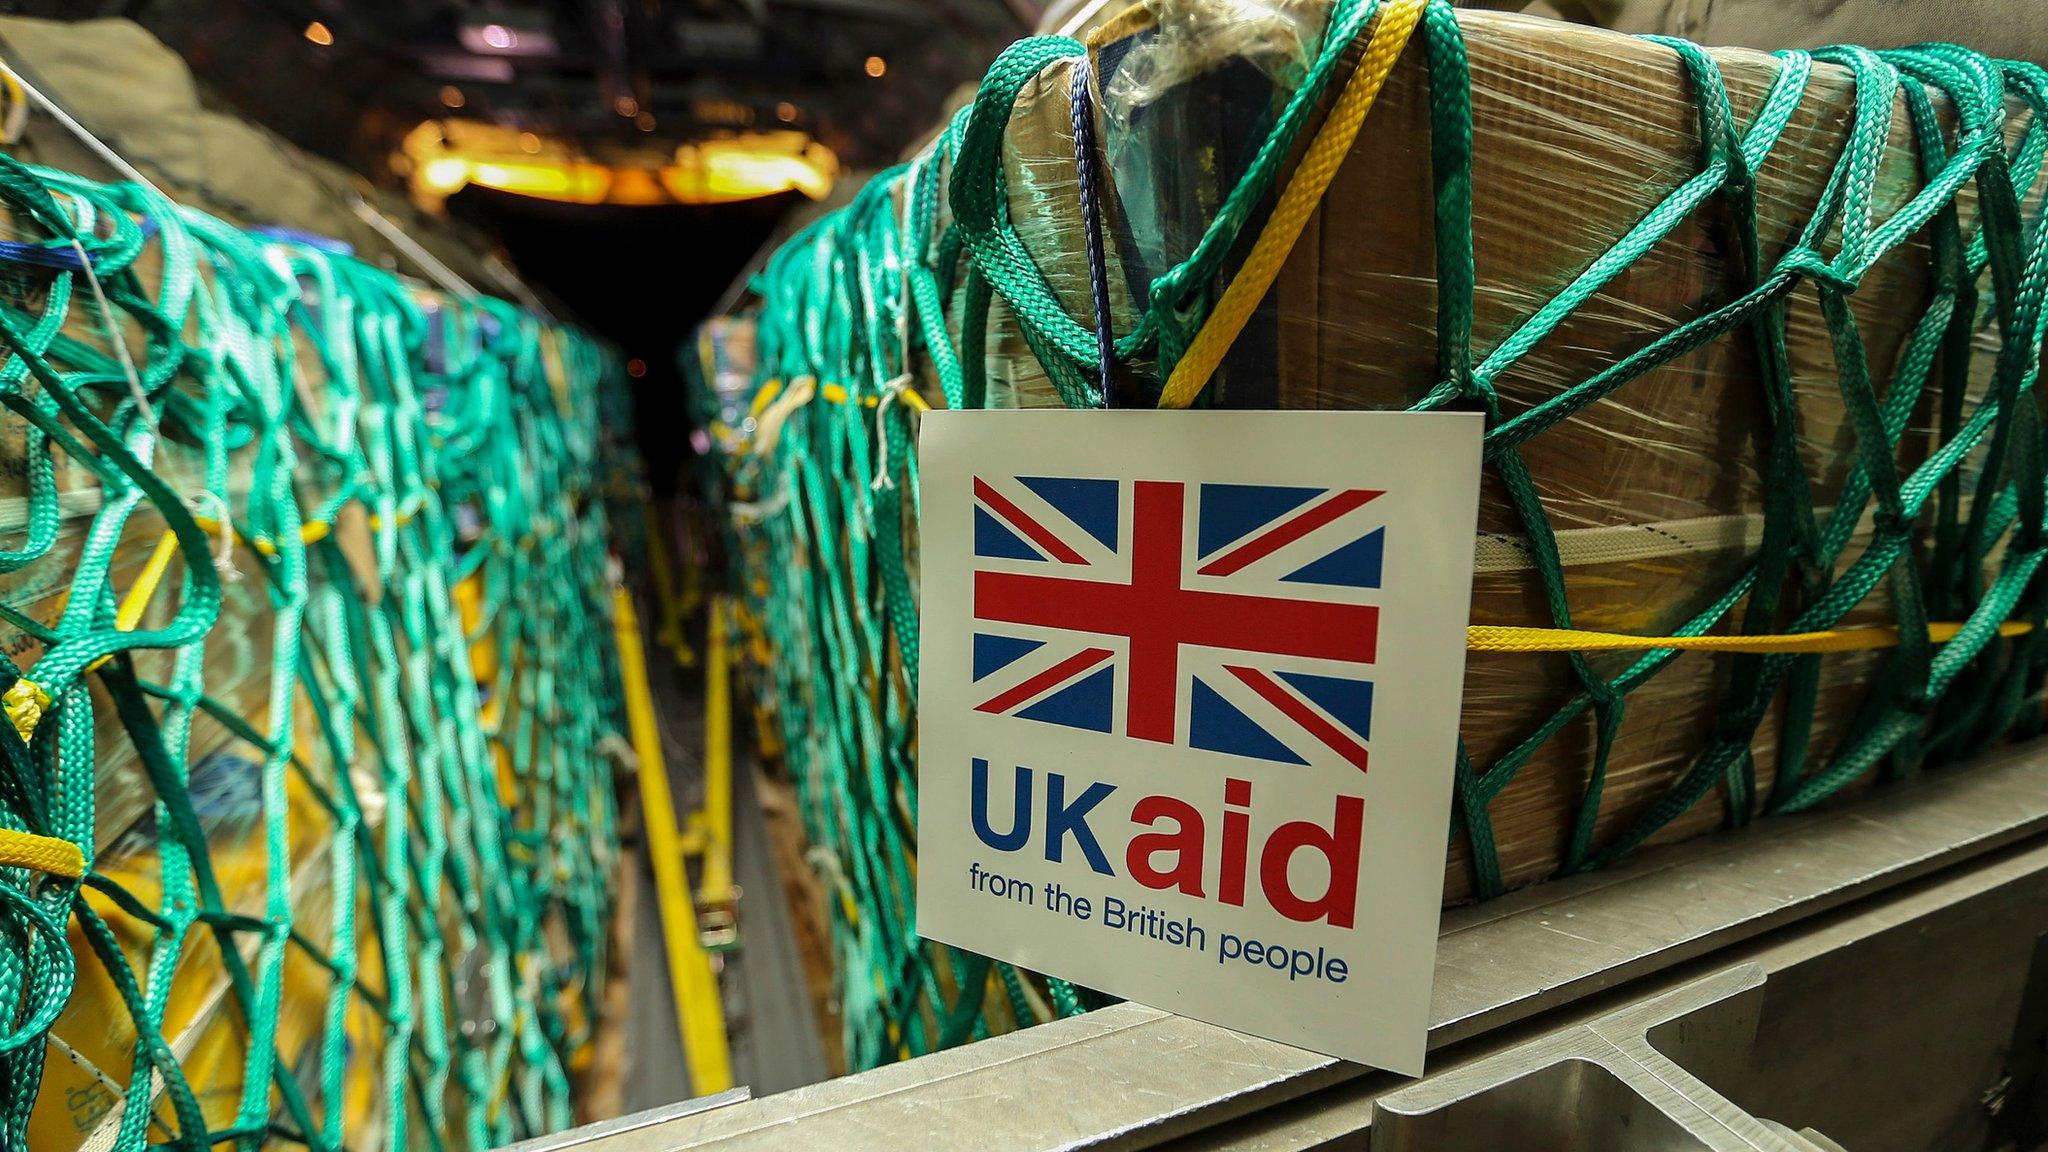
1867, 973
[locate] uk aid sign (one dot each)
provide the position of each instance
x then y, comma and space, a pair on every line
1189, 700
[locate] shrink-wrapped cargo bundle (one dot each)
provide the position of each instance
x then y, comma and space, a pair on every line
1611, 181
1756, 335
278, 851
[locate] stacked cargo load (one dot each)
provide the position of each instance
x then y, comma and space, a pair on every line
1755, 335
305, 827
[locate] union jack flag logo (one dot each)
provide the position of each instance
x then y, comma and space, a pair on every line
1243, 625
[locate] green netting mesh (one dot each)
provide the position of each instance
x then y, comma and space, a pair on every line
821, 491
309, 567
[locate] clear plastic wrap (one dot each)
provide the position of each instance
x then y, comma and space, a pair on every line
1277, 38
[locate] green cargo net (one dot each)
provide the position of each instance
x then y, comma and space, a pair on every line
888, 291
822, 526
301, 570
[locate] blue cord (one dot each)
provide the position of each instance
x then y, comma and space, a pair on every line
1091, 212
64, 259
305, 239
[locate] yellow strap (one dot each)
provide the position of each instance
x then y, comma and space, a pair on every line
715, 889
311, 532
139, 594
1312, 176
45, 854
837, 394
700, 1014
25, 702
1499, 638
768, 424
16, 114
144, 588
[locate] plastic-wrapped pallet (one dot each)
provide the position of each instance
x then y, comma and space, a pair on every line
284, 859
1756, 335
1657, 492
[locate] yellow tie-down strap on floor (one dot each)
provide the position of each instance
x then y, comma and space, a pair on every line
717, 919
700, 1010
1504, 638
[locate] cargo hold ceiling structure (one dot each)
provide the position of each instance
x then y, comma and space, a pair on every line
350, 78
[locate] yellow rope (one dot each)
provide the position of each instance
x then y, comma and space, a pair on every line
768, 423
45, 854
837, 394
25, 702
1501, 638
770, 417
311, 532
1297, 202
130, 613
16, 114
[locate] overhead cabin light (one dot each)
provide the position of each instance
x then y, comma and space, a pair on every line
320, 34
529, 35
446, 174
641, 186
877, 67
442, 158
751, 165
